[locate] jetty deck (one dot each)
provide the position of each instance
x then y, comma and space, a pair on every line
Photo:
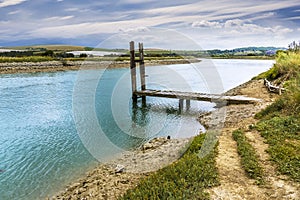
197, 96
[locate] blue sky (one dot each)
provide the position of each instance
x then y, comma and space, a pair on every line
188, 24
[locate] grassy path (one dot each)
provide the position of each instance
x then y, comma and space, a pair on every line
234, 182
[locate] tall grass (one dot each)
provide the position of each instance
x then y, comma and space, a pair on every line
280, 122
26, 59
287, 66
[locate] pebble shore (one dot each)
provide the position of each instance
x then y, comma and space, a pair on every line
53, 66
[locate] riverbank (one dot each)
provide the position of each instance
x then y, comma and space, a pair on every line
234, 182
112, 179
54, 66
106, 183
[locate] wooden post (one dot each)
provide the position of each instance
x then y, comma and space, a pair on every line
180, 105
188, 104
133, 71
142, 66
142, 71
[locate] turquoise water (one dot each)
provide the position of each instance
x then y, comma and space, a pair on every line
47, 135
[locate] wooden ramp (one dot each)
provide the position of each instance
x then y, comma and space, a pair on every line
198, 96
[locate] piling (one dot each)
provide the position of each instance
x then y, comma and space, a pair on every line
133, 72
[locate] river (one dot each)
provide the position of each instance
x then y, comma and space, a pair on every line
50, 122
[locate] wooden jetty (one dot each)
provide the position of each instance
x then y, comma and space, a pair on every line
188, 96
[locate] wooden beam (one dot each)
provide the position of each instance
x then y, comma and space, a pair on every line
180, 105
142, 71
142, 67
188, 104
133, 71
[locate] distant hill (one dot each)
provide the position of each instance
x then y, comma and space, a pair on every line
154, 52
259, 49
50, 47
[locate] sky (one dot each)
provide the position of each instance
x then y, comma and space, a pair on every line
189, 24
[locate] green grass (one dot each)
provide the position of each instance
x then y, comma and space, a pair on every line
287, 67
282, 133
25, 59
186, 179
249, 158
280, 122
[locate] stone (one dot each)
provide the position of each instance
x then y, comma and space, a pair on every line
119, 168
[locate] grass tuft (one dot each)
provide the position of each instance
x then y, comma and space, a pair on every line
249, 158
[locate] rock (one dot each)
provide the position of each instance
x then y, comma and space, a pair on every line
154, 143
120, 169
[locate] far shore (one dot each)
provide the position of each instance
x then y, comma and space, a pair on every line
55, 66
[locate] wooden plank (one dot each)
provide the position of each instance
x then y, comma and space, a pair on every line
198, 96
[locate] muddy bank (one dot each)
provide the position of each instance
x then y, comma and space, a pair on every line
112, 179
53, 66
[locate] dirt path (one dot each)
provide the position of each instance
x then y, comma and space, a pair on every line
234, 182
278, 186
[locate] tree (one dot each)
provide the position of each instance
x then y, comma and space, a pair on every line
49, 53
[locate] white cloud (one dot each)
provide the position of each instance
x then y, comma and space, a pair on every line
263, 16
205, 23
71, 9
234, 23
238, 26
243, 27
293, 18
58, 18
14, 12
6, 3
